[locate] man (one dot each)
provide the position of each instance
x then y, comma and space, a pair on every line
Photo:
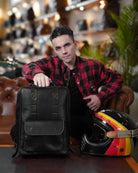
82, 76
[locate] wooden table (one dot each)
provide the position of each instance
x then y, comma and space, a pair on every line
74, 163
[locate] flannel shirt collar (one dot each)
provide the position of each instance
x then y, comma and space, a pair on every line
65, 68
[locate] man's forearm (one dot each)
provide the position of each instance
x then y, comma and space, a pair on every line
30, 70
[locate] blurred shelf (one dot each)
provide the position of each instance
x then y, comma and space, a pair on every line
46, 36
86, 32
45, 16
77, 5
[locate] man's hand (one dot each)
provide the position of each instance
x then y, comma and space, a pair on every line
94, 102
41, 80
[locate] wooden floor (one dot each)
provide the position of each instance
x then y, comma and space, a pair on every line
74, 163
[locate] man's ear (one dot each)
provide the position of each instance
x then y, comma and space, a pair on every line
76, 43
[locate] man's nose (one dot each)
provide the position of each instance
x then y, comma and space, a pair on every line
64, 50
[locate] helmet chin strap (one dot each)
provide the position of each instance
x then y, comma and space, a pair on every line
122, 134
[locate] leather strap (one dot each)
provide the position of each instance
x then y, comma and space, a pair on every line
127, 133
34, 98
123, 134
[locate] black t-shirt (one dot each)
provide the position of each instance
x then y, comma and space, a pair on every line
78, 105
81, 118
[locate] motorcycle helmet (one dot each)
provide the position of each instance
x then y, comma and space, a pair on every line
108, 121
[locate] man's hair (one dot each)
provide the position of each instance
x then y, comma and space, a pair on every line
61, 30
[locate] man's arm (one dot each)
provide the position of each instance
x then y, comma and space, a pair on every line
30, 70
112, 84
36, 71
109, 80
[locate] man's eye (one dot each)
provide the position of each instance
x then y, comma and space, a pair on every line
68, 44
57, 48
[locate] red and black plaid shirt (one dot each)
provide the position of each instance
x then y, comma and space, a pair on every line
89, 75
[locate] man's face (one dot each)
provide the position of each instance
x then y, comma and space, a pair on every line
65, 48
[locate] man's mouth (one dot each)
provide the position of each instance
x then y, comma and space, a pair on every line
66, 57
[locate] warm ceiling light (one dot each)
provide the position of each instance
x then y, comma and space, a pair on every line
9, 13
18, 14
81, 8
57, 17
14, 9
102, 4
36, 8
25, 5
